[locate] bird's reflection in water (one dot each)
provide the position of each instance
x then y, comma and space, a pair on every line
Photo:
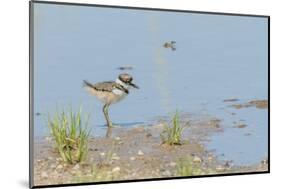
108, 133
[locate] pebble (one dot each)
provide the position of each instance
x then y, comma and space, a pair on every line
166, 173
264, 162
197, 159
115, 169
102, 154
115, 157
148, 135
132, 158
117, 138
48, 139
53, 166
58, 159
220, 168
59, 166
44, 175
76, 167
140, 153
173, 164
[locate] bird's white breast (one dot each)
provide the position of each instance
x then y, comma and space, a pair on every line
119, 95
118, 92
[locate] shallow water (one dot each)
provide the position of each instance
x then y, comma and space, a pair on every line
217, 57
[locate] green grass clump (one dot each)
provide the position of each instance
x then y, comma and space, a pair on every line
71, 135
172, 134
186, 167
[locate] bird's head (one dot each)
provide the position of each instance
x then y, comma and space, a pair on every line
126, 81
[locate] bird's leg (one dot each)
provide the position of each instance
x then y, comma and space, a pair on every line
108, 132
105, 111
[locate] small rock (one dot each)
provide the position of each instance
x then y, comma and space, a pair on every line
59, 166
132, 158
44, 175
115, 169
227, 164
59, 159
48, 139
220, 168
102, 154
65, 164
166, 173
76, 167
173, 164
140, 153
148, 135
264, 162
197, 159
115, 157
50, 158
117, 138
53, 166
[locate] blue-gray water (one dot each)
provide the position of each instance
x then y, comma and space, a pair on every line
217, 57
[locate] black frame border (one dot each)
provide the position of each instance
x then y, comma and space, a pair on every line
31, 91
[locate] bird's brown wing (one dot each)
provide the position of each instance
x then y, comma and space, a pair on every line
106, 86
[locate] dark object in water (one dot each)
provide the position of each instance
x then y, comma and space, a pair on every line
125, 68
241, 126
170, 45
230, 100
261, 104
38, 113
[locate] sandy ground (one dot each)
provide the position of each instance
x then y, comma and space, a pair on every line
137, 153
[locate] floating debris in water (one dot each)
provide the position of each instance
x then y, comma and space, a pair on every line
125, 68
231, 100
241, 126
170, 45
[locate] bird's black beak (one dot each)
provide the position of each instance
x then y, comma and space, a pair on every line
134, 85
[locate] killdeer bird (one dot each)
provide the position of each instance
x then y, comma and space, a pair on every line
170, 45
110, 92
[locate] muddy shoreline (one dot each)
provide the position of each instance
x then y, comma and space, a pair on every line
138, 153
